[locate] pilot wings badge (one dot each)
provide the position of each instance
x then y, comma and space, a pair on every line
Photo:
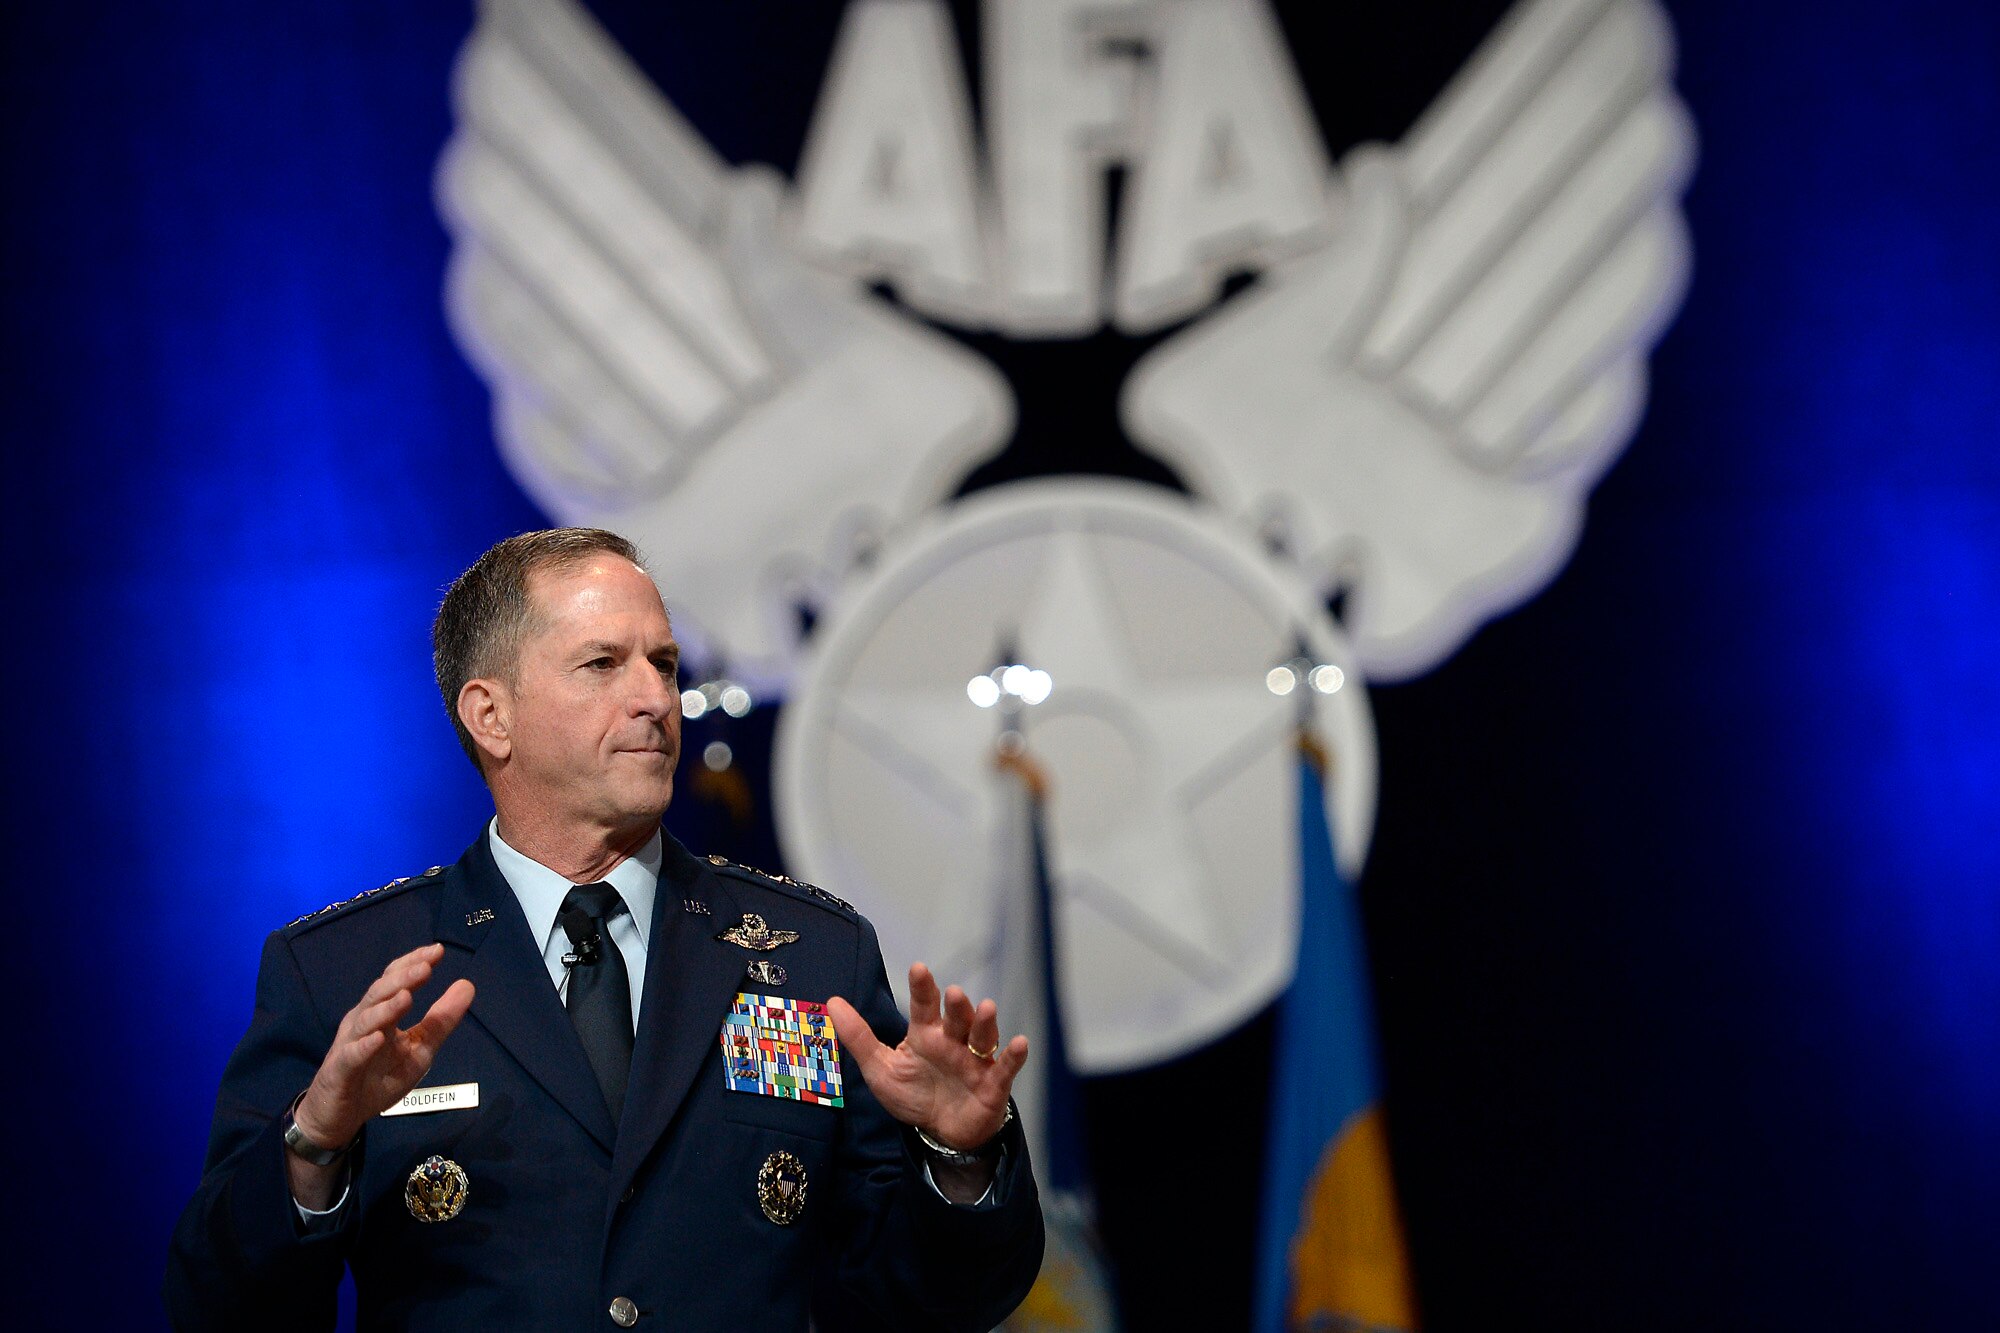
752, 933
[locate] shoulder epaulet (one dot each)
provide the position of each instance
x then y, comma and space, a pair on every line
782, 881
368, 895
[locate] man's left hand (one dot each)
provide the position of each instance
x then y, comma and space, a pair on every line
950, 1076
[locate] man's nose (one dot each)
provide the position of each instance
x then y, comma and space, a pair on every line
655, 693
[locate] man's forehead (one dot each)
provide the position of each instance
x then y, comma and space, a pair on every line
599, 586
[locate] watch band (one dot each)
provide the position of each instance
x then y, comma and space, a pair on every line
304, 1148
955, 1157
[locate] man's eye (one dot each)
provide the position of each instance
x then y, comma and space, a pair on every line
599, 664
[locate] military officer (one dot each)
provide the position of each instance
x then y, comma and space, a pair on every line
642, 1086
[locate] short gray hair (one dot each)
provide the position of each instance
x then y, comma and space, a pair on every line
486, 611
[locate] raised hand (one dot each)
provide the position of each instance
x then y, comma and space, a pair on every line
950, 1076
373, 1063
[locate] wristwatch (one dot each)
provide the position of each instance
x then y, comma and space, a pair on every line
304, 1148
954, 1157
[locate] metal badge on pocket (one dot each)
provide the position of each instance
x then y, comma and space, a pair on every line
436, 1191
781, 1188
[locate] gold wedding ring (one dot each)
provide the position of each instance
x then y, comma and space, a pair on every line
987, 1054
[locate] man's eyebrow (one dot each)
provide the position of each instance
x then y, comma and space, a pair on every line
598, 648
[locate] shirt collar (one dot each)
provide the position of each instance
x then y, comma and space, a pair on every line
541, 890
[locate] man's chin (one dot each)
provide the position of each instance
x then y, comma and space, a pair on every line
646, 807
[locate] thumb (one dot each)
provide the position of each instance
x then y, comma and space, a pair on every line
442, 1018
855, 1035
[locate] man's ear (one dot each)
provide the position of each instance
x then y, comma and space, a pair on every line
486, 708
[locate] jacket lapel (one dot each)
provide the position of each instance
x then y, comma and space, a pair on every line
691, 980
488, 941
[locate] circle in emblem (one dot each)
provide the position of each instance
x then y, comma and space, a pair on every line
1155, 653
436, 1191
781, 1188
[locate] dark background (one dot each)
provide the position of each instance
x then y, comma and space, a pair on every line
1683, 904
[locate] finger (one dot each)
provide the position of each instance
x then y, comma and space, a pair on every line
985, 1032
957, 1014
393, 976
923, 997
442, 1018
855, 1035
352, 1056
380, 1015
413, 973
1008, 1061
405, 974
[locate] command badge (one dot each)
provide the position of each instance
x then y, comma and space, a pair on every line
752, 933
436, 1190
769, 973
781, 1188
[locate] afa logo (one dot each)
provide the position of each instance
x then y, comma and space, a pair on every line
1446, 349
1443, 348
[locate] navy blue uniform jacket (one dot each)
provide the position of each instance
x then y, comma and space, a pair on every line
566, 1210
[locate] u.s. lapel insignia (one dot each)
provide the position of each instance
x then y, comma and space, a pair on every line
767, 972
694, 907
781, 1188
480, 917
436, 1191
752, 933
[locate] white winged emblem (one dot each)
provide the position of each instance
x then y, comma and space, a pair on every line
1417, 410
662, 363
1414, 410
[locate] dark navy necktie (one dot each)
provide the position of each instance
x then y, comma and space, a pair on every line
600, 989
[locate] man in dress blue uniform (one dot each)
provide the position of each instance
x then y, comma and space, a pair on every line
620, 1105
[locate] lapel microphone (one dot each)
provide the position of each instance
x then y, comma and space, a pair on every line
583, 939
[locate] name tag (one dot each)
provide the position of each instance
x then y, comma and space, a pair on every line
447, 1097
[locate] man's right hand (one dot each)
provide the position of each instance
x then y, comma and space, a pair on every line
372, 1065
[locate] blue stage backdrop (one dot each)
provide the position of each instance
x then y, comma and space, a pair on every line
1683, 909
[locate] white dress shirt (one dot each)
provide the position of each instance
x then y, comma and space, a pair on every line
541, 891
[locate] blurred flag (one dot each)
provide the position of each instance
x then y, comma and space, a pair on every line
1330, 1257
1073, 1290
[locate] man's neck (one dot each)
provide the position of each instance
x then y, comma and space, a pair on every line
579, 855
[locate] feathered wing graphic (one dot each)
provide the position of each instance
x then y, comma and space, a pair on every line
662, 362
1418, 410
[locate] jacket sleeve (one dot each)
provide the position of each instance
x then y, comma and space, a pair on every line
907, 1257
241, 1257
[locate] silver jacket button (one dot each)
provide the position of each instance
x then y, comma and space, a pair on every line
624, 1313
